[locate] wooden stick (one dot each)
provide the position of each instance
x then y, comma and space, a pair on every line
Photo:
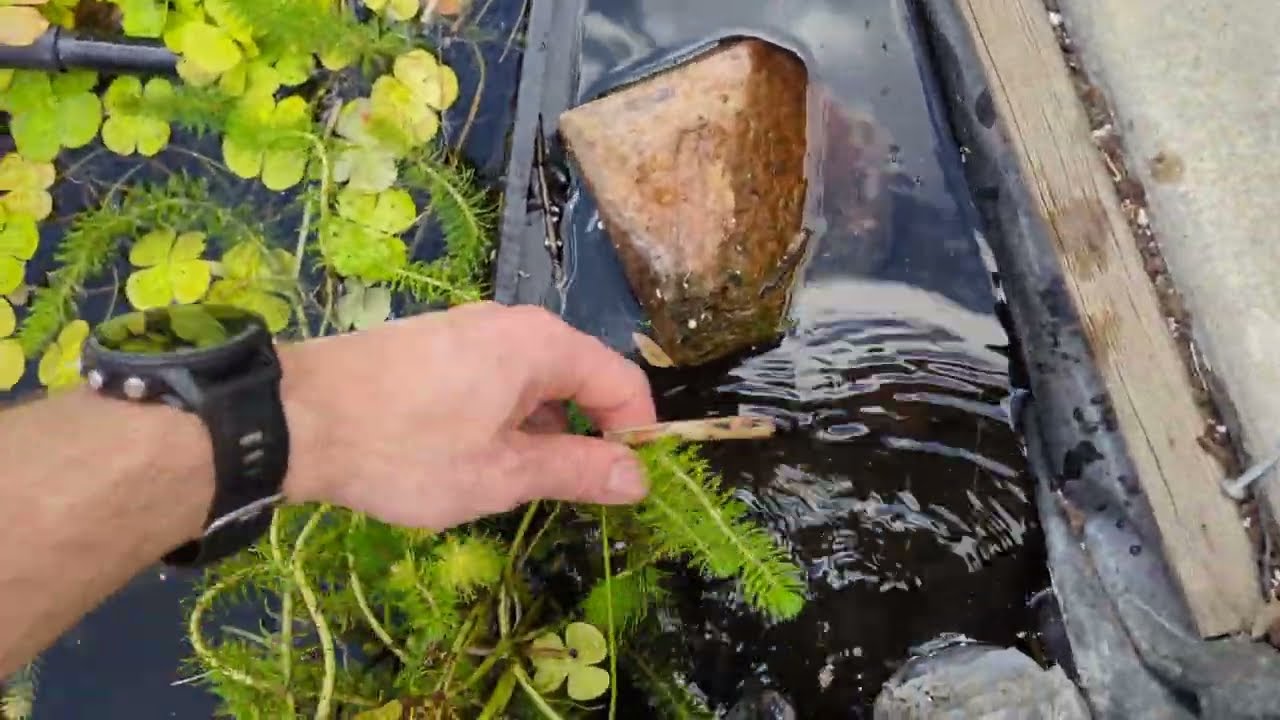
738, 427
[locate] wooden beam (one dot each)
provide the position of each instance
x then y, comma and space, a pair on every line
1201, 530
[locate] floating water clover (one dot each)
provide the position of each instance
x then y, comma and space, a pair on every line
60, 365
128, 127
431, 82
361, 241
20, 22
573, 658
269, 139
256, 278
12, 360
143, 18
26, 186
48, 115
170, 269
19, 239
206, 51
393, 710
362, 307
366, 164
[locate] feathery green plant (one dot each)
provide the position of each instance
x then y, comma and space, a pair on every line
323, 183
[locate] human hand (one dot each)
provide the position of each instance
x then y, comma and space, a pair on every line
439, 419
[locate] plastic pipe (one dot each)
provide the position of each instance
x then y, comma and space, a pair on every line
58, 50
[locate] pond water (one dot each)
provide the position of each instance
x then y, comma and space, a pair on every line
124, 660
897, 477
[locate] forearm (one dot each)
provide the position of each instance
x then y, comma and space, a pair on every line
93, 490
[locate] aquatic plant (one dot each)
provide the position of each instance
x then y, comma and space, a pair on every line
327, 170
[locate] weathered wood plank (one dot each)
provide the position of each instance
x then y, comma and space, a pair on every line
1202, 535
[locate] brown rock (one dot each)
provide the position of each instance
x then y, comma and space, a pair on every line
699, 173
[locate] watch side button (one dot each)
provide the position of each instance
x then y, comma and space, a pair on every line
95, 379
135, 388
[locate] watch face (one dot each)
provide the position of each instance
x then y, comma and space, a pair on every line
175, 328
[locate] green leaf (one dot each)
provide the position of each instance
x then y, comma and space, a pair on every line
12, 272
274, 309
587, 683
256, 277
357, 251
27, 186
196, 325
400, 114
587, 642
390, 212
60, 365
431, 82
48, 116
173, 269
81, 115
573, 658
391, 711
128, 128
363, 307
143, 18
209, 48
13, 363
366, 169
153, 249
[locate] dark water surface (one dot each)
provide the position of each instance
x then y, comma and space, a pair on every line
897, 478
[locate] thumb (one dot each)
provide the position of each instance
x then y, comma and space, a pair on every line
581, 469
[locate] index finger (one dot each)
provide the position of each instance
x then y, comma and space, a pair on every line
567, 364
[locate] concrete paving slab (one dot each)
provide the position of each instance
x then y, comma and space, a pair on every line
1195, 86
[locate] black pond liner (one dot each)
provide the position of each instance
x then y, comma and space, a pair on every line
578, 49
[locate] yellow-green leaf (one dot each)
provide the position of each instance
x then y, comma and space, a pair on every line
587, 641
587, 682
153, 249
13, 363
12, 271
188, 246
60, 365
190, 279
149, 288
208, 47
391, 711
432, 82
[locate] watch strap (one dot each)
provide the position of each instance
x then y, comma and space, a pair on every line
245, 419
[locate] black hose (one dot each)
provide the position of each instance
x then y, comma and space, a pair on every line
58, 50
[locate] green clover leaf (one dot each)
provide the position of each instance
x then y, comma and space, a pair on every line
573, 658
128, 128
366, 164
362, 307
391, 212
360, 242
432, 83
19, 239
172, 269
395, 9
269, 139
143, 18
255, 278
60, 365
49, 115
207, 51
399, 116
13, 363
26, 185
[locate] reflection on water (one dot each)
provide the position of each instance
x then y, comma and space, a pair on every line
895, 478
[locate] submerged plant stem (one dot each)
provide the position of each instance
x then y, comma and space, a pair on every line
535, 697
358, 590
317, 619
608, 591
286, 614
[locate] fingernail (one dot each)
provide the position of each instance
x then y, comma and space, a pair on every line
626, 482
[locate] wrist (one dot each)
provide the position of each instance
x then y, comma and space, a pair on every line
307, 479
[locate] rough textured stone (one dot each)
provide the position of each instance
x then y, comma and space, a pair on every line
699, 173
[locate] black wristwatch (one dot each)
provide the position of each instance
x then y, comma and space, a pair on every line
218, 363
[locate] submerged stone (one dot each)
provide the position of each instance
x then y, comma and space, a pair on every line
699, 174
